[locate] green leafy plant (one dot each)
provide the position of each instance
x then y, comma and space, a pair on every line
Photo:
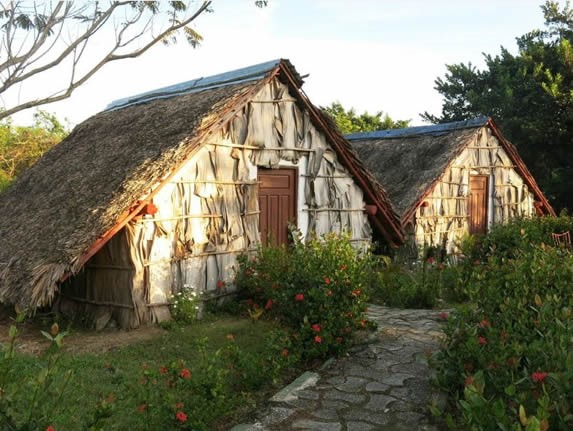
317, 288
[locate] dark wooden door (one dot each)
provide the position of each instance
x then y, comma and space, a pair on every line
277, 203
478, 201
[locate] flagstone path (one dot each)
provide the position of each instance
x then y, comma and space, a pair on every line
381, 385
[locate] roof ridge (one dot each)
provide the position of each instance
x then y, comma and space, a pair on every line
419, 130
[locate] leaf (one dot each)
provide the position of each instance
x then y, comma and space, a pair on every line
538, 301
48, 336
522, 415
13, 331
256, 314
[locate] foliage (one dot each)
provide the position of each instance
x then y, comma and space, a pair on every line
184, 305
201, 377
530, 96
20, 147
317, 288
517, 235
507, 360
348, 121
30, 401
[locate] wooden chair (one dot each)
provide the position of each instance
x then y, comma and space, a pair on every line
562, 240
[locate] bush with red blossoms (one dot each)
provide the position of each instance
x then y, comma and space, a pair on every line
318, 289
507, 360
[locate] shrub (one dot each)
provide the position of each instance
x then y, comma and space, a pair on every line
318, 289
507, 359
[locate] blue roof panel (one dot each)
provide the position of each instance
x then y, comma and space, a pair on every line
434, 129
245, 74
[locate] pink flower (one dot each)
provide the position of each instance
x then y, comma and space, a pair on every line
430, 260
317, 339
443, 315
316, 327
482, 341
185, 373
284, 353
356, 292
163, 370
269, 304
326, 280
181, 417
50, 428
485, 324
538, 376
299, 297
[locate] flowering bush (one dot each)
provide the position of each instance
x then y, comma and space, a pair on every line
184, 305
318, 289
508, 359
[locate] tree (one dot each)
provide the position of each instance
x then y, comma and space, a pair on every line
529, 94
21, 147
351, 122
76, 39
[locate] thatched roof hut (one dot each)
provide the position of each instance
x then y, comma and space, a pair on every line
429, 172
107, 178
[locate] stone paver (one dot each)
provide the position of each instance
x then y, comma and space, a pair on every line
381, 385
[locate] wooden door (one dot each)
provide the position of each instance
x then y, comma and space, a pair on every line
277, 203
477, 204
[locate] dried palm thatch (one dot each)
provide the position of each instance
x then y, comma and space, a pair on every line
63, 209
410, 162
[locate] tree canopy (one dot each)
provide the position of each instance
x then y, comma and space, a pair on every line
76, 39
348, 121
21, 147
529, 94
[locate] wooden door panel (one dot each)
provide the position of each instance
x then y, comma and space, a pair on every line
478, 204
277, 203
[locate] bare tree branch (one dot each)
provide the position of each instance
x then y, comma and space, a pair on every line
22, 59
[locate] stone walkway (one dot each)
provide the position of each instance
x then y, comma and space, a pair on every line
381, 385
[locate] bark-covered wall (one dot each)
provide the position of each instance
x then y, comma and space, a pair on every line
444, 221
208, 213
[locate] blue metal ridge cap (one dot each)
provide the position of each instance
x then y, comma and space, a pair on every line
418, 130
245, 74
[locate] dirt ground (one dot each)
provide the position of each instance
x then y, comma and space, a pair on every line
30, 339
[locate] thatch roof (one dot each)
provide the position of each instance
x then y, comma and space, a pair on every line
409, 161
61, 210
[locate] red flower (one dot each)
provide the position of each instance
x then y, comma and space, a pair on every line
284, 353
363, 323
142, 408
329, 292
343, 267
181, 417
50, 428
316, 327
269, 304
485, 324
326, 280
469, 381
185, 373
443, 315
538, 376
318, 339
440, 266
482, 341
163, 370
430, 260
356, 292
220, 284
299, 297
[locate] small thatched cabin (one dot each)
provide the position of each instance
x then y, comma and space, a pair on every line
449, 180
164, 190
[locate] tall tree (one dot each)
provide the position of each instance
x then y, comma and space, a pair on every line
348, 121
530, 95
21, 147
77, 39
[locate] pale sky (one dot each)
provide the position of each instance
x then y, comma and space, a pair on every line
368, 54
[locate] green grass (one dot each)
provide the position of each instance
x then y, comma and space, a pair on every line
115, 378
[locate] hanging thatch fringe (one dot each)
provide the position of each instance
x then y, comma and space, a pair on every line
192, 256
45, 280
227, 183
274, 101
253, 147
342, 210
